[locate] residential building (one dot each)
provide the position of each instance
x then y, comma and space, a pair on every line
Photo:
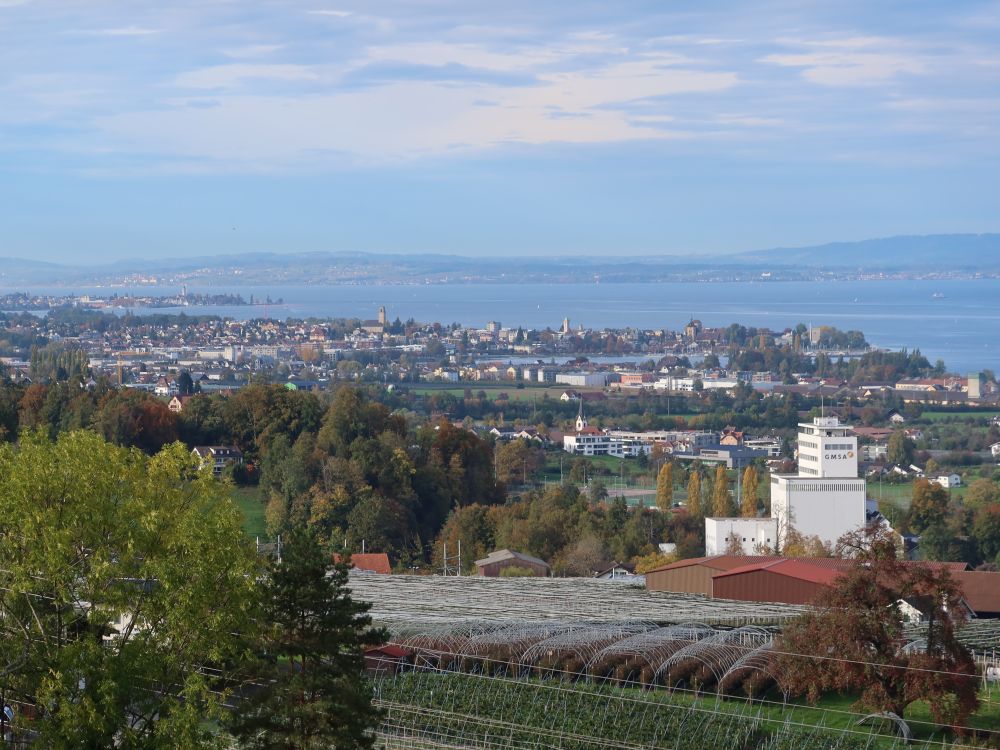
218, 456
948, 480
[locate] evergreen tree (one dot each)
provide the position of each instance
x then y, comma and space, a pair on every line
665, 487
721, 507
316, 695
748, 503
185, 384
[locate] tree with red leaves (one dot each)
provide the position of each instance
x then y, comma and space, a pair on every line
854, 641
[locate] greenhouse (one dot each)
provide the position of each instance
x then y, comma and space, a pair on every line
399, 599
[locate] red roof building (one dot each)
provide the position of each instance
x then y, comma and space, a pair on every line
373, 562
981, 591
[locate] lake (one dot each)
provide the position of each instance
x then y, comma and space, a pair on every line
954, 320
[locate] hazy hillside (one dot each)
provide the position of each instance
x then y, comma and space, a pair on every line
952, 254
941, 251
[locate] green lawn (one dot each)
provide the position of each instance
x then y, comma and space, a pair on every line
251, 502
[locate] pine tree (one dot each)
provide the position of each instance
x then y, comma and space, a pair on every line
665, 487
316, 694
748, 503
694, 494
721, 507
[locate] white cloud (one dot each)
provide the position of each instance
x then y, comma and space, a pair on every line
412, 119
330, 12
467, 55
850, 61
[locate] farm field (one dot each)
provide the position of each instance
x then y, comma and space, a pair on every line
515, 713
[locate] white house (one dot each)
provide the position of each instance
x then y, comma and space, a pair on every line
949, 480
218, 456
995, 450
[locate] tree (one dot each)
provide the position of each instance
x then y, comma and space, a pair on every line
900, 449
986, 530
929, 504
119, 572
653, 560
315, 693
721, 504
748, 503
584, 558
854, 641
185, 384
980, 493
597, 491
694, 494
518, 461
665, 487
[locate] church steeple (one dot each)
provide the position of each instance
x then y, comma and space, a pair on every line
581, 421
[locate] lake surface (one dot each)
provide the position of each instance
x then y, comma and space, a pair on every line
961, 325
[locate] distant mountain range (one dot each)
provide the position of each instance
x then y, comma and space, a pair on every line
946, 255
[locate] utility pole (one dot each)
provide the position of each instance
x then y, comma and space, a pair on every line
451, 565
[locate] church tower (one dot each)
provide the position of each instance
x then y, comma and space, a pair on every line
581, 421
381, 316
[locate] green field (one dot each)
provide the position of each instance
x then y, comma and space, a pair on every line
901, 494
939, 416
251, 503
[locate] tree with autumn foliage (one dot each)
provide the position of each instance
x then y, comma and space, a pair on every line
722, 506
854, 641
665, 487
694, 494
748, 503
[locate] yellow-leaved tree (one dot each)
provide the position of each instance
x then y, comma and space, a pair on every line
665, 487
694, 494
748, 501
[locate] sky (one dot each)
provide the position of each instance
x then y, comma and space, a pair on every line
137, 129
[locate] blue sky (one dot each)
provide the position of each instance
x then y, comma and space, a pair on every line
151, 129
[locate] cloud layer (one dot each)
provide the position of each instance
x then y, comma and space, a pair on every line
216, 85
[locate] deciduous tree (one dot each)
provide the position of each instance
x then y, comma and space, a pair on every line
721, 502
694, 507
121, 575
855, 642
665, 487
929, 504
748, 502
900, 449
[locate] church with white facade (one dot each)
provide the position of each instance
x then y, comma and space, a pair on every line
825, 499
